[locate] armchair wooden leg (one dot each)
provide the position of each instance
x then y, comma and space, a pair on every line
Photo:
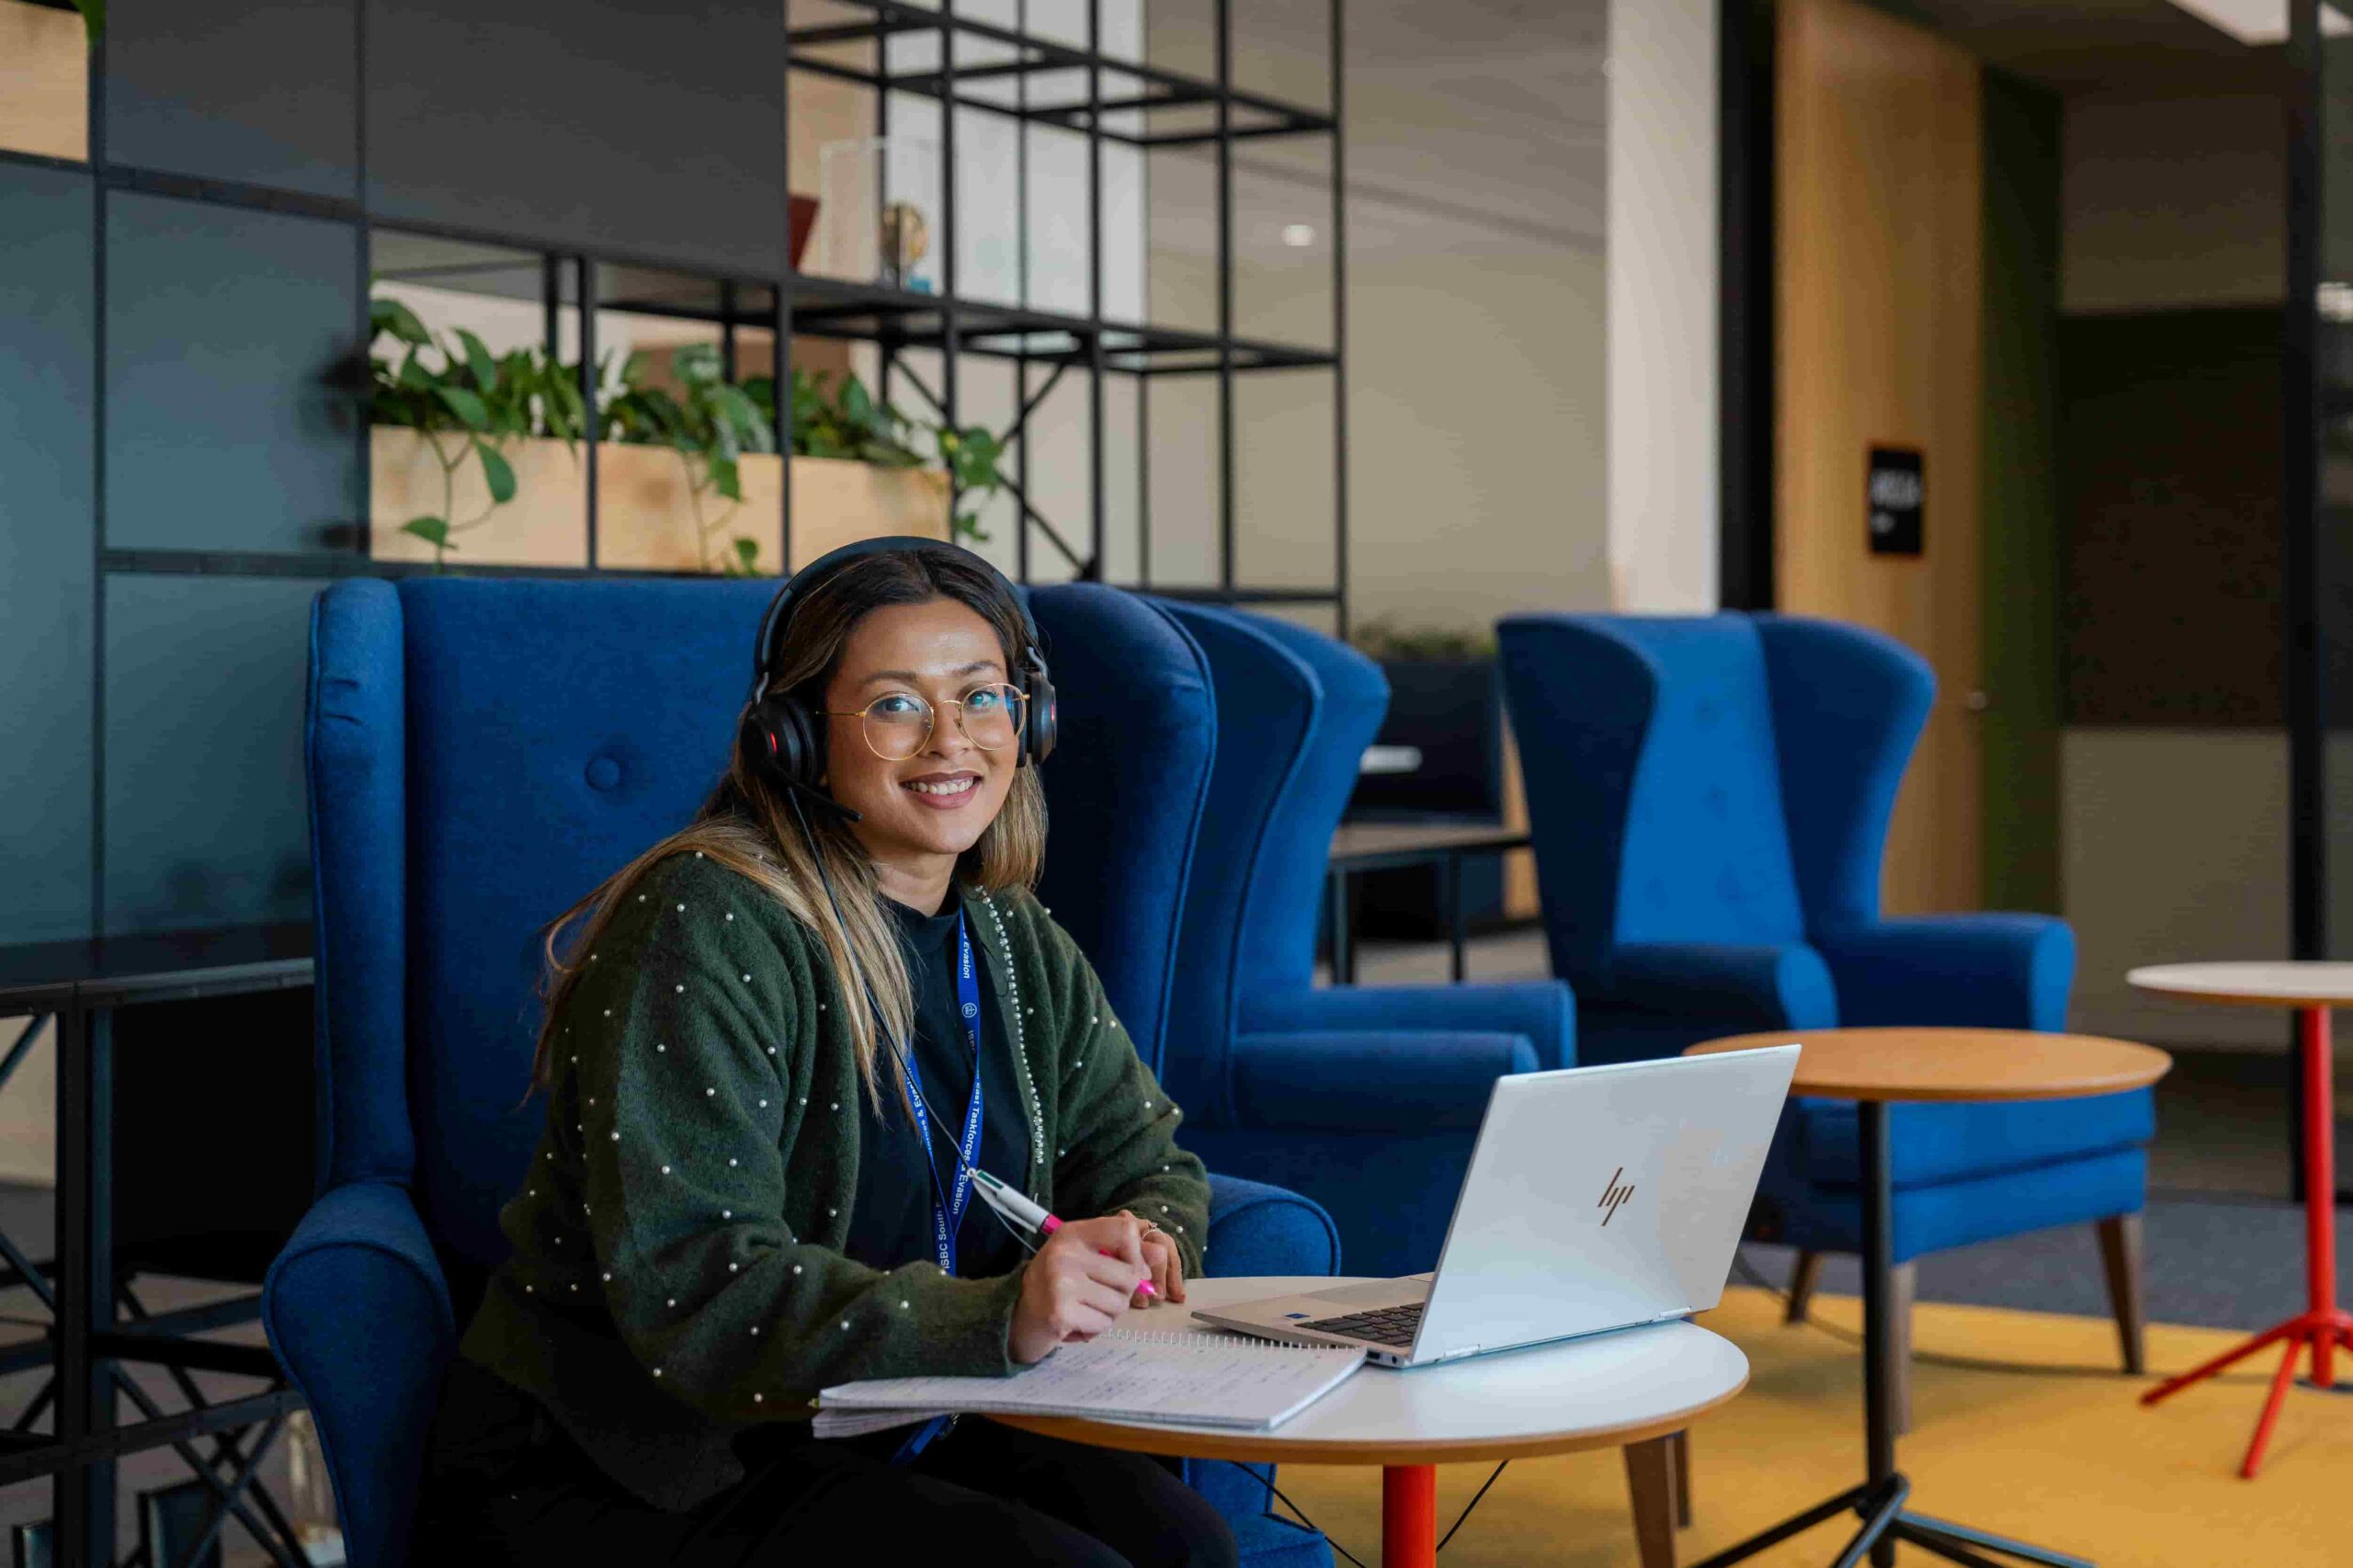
1902, 1280
1650, 1478
2120, 1254
1680, 1445
1803, 1279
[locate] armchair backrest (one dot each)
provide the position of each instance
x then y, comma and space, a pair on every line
1352, 700
550, 731
1848, 705
1125, 790
1295, 711
1720, 779
482, 753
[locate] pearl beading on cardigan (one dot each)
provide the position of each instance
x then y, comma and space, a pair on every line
1036, 1110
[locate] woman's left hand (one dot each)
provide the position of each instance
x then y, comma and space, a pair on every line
1166, 1264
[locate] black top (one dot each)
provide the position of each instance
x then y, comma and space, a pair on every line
890, 1222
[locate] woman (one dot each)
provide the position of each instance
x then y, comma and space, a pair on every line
760, 1089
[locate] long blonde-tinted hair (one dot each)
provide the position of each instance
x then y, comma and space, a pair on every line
752, 825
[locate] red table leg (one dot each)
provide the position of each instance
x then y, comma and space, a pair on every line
2320, 1187
1409, 1516
2322, 1324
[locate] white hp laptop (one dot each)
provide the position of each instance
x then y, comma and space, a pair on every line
1598, 1197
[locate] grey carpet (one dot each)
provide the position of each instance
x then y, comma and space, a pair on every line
2214, 1261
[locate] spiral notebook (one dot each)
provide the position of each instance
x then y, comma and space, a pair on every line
1206, 1380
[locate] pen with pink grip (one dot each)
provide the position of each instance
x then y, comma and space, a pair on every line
1018, 1209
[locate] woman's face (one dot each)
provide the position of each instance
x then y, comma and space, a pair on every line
940, 799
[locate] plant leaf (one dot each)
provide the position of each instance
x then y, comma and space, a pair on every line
696, 364
391, 315
496, 473
747, 554
466, 406
434, 531
479, 360
726, 477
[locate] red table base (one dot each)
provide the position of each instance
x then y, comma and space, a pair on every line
2323, 1325
1408, 1516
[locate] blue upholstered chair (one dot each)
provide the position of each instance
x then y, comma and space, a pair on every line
479, 753
1365, 1098
1709, 801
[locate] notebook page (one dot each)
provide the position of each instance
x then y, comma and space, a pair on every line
1207, 1380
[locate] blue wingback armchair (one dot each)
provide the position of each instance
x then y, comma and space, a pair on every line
479, 753
1709, 801
1365, 1098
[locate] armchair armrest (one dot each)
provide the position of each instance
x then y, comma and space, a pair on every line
1258, 1229
1543, 1011
358, 1314
1371, 1082
1990, 971
1737, 986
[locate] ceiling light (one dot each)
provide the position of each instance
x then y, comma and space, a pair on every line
1298, 236
2260, 21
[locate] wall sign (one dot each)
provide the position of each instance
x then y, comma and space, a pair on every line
1892, 492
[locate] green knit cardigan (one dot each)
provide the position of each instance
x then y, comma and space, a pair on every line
676, 1274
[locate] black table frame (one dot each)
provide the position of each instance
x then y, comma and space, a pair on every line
1879, 1500
97, 1323
1448, 856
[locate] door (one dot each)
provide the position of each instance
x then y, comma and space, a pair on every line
1878, 303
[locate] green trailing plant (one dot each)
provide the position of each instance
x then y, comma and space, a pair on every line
94, 18
1385, 638
847, 421
467, 403
709, 425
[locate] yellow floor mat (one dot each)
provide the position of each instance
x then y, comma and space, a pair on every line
2064, 1456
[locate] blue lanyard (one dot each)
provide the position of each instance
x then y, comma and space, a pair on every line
947, 1206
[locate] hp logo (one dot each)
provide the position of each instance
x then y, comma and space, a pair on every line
1612, 1195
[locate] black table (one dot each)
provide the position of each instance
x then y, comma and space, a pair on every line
1874, 1067
1380, 847
80, 985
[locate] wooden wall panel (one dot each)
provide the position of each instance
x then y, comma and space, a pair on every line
1878, 295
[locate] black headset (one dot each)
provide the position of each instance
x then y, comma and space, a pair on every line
783, 733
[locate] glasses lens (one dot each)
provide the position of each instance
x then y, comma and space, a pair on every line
897, 726
993, 716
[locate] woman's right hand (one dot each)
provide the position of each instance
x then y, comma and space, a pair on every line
1071, 1291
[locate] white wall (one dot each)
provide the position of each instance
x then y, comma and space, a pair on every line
1662, 448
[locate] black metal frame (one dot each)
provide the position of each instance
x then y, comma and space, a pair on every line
1448, 854
1745, 303
1877, 1501
899, 320
78, 986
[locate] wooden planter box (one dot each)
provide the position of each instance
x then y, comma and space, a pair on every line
646, 513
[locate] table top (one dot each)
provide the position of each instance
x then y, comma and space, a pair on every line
1600, 1392
2276, 983
42, 977
1359, 841
1957, 1064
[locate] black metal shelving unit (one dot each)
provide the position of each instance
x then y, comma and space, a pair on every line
1138, 113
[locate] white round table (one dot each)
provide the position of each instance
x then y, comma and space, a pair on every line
2311, 988
1605, 1390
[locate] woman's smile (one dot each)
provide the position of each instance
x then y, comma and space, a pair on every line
945, 792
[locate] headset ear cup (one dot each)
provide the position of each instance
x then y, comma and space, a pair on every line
1042, 728
779, 735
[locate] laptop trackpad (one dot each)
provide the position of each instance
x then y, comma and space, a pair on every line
1375, 1292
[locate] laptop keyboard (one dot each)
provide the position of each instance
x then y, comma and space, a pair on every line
1388, 1325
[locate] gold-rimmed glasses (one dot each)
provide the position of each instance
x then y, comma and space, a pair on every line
898, 724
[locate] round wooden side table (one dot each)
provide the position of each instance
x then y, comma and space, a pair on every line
2311, 988
1635, 1387
1876, 1068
